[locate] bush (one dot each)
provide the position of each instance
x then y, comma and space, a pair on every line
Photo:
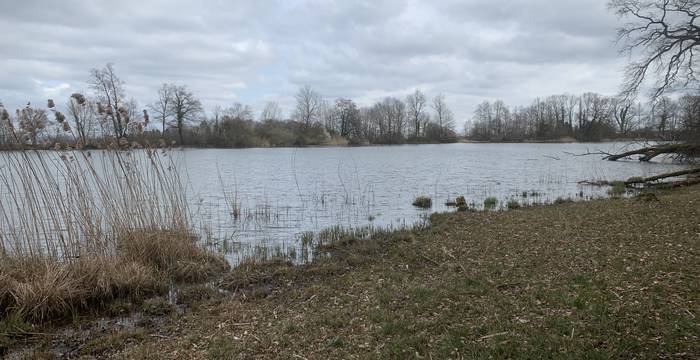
561, 200
423, 202
490, 203
513, 204
618, 189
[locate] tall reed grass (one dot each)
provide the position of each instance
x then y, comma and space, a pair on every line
79, 228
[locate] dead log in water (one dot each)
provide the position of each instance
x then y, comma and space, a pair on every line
692, 178
650, 152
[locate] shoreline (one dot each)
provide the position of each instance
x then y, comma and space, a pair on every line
331, 146
572, 279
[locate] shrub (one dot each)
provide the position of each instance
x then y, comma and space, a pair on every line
562, 200
513, 204
490, 203
618, 189
423, 202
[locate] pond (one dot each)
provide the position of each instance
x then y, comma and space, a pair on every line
271, 196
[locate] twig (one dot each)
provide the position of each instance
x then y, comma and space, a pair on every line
430, 260
492, 335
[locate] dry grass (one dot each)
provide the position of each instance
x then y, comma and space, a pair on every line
146, 262
39, 289
78, 230
172, 252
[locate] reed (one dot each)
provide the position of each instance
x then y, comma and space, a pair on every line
79, 229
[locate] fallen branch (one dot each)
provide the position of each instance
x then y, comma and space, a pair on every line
492, 335
652, 181
651, 152
663, 176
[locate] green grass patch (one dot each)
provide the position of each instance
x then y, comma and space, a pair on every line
490, 203
423, 202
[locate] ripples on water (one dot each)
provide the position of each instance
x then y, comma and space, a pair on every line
270, 196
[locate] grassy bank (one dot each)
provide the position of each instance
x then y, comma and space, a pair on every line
601, 279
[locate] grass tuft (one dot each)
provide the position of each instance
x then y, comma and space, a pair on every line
618, 189
423, 202
490, 203
513, 204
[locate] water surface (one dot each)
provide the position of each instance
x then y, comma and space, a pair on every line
284, 192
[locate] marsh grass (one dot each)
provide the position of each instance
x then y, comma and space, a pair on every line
513, 204
80, 229
490, 203
423, 202
618, 189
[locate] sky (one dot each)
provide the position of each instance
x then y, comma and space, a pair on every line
257, 51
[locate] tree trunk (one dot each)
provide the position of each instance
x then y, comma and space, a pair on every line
651, 152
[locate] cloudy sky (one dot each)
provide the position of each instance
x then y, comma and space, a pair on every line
257, 51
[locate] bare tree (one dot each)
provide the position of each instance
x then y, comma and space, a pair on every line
416, 104
308, 106
109, 91
663, 34
162, 106
185, 107
271, 111
442, 115
239, 111
32, 122
82, 112
623, 111
347, 115
216, 114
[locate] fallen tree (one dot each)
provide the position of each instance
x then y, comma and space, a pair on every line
650, 152
691, 177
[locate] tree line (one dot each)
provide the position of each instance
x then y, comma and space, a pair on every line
178, 117
587, 117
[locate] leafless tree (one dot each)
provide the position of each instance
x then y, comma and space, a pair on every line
442, 115
347, 115
109, 92
623, 111
185, 107
239, 111
82, 113
216, 114
162, 108
416, 104
663, 35
32, 122
308, 106
271, 111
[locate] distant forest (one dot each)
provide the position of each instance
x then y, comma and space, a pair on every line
587, 117
177, 117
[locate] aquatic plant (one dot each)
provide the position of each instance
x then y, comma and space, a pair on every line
513, 204
490, 203
423, 202
562, 200
618, 189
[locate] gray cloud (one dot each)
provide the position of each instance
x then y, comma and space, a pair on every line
255, 51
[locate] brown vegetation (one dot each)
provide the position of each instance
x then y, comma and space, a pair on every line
82, 230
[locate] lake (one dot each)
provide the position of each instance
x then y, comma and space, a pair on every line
271, 196
243, 201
